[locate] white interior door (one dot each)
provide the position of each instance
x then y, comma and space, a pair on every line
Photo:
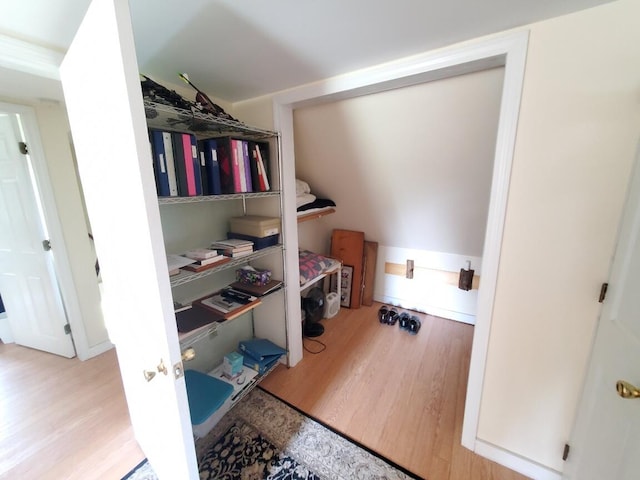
27, 276
106, 113
606, 438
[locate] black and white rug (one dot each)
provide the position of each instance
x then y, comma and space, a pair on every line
264, 438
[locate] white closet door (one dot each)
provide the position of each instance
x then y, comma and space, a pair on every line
606, 437
102, 91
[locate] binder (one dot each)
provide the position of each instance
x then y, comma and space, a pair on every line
223, 150
261, 349
247, 166
159, 163
260, 366
187, 157
253, 166
171, 164
263, 166
236, 157
195, 160
212, 168
181, 168
204, 176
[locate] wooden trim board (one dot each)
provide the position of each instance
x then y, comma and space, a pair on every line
369, 272
443, 276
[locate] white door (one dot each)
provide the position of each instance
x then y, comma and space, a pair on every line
106, 113
27, 277
606, 438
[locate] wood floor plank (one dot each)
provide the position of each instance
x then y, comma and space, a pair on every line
400, 395
63, 418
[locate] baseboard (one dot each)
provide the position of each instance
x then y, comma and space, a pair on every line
428, 309
433, 288
6, 336
515, 462
95, 350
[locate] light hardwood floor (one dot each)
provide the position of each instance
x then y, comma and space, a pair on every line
400, 395
63, 418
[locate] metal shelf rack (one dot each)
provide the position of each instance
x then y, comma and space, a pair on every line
164, 116
186, 277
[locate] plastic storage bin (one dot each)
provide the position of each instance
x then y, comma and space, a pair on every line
255, 225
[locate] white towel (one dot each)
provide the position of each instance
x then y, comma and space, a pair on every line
304, 198
302, 187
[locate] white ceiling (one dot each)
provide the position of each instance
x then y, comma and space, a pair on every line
239, 49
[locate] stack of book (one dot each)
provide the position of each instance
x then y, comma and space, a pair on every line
228, 303
233, 247
176, 262
204, 258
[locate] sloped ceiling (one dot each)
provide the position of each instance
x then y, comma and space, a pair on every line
240, 49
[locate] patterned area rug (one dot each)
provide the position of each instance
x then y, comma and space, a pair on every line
264, 438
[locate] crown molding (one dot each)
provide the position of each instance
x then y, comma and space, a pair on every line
29, 58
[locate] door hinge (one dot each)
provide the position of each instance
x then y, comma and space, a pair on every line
565, 452
46, 244
603, 292
67, 329
23, 148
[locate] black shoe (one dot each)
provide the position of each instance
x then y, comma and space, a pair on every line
392, 316
404, 321
414, 325
382, 314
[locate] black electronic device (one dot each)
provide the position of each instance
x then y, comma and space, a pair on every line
313, 305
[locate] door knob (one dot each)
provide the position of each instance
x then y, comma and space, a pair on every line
626, 390
162, 368
188, 354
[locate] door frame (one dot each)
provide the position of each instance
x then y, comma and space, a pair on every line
506, 50
44, 190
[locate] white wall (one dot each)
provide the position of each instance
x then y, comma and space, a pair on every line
576, 137
410, 167
577, 134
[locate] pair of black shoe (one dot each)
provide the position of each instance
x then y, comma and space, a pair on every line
389, 316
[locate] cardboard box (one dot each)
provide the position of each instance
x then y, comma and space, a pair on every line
232, 364
255, 225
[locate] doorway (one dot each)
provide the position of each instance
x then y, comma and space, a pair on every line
35, 312
411, 168
508, 51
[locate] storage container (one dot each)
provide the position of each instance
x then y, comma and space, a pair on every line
255, 225
258, 242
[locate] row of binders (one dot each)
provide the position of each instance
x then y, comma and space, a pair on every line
186, 167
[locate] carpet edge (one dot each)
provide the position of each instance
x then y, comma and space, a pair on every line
346, 437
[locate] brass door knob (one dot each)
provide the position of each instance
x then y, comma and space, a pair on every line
188, 354
162, 368
626, 390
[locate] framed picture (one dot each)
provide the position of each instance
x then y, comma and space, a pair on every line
346, 281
